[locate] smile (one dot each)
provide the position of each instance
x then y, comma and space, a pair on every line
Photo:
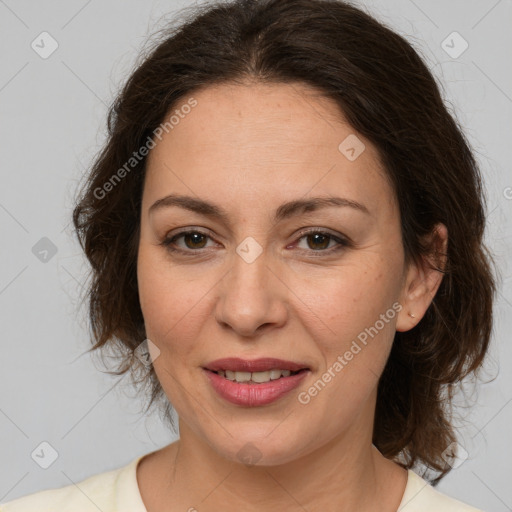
254, 389
255, 377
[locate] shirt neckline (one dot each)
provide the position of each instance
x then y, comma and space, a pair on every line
128, 495
415, 484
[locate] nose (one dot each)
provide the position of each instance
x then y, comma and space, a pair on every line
253, 299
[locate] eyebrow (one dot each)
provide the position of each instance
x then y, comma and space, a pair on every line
285, 211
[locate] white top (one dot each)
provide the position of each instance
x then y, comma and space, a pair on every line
118, 491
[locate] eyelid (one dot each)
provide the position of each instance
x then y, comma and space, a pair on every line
168, 239
341, 241
324, 231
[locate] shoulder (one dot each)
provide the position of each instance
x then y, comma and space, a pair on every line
103, 491
421, 496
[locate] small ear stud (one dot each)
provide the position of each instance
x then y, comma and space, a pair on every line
411, 315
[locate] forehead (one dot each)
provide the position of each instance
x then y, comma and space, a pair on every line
266, 115
282, 138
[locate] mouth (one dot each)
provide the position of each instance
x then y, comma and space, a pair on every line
254, 383
243, 377
256, 371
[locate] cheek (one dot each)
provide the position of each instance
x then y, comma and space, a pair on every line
152, 296
353, 331
351, 298
352, 317
170, 301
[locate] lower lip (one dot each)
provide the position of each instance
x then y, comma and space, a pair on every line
253, 395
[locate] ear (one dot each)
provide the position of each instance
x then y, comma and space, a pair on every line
422, 281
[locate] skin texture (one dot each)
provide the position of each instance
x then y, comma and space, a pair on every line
248, 149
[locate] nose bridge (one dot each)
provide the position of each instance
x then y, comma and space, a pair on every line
250, 295
249, 276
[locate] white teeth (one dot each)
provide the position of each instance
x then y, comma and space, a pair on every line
241, 376
275, 374
258, 377
261, 376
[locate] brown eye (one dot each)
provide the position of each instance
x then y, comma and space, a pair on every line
193, 241
321, 242
318, 241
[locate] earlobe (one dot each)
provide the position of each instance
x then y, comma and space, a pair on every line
411, 300
423, 281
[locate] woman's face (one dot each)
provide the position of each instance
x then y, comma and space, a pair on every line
252, 283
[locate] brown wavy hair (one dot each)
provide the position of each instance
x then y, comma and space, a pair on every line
387, 94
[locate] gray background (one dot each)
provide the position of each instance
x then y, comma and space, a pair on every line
52, 114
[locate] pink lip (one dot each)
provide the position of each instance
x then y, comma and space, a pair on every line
235, 364
253, 395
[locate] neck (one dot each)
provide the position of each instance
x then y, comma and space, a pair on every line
348, 473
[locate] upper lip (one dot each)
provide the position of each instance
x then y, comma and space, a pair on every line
235, 364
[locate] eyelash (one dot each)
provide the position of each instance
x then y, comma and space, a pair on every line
341, 242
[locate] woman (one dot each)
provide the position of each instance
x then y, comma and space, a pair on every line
285, 231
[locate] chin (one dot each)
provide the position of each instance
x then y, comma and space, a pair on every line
259, 450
